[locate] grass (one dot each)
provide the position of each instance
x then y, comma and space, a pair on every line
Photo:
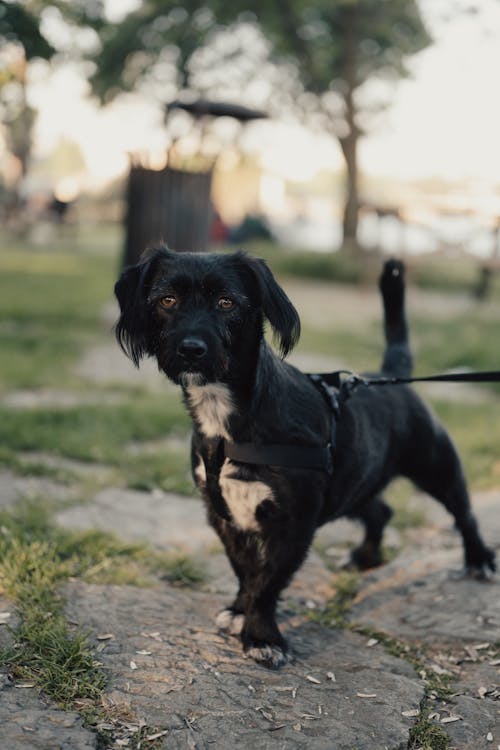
426, 735
49, 308
36, 558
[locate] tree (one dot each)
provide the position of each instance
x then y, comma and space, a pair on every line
335, 46
23, 39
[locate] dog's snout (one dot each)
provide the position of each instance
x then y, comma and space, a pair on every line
192, 348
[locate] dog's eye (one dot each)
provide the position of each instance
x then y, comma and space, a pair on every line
168, 302
225, 303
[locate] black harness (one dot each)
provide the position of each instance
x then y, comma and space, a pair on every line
335, 388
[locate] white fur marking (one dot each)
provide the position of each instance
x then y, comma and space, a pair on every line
212, 405
200, 472
271, 655
229, 622
242, 497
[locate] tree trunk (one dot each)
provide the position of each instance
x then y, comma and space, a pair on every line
349, 142
351, 206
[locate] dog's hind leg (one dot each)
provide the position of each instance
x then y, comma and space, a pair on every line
443, 478
374, 515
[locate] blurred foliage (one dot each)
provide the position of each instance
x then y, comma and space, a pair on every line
326, 52
25, 36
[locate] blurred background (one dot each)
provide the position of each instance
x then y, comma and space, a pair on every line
318, 126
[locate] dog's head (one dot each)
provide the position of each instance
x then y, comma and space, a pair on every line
201, 315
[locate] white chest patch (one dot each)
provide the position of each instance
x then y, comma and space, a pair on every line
242, 497
212, 405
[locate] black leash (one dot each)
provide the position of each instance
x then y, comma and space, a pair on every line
347, 386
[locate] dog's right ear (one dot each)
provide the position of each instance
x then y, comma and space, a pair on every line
132, 326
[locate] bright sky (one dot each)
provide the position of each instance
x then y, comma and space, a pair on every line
444, 121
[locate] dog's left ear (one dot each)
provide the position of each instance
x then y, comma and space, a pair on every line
132, 326
276, 306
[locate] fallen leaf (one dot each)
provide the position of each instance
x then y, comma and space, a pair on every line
481, 646
313, 679
489, 737
133, 665
4, 616
142, 652
372, 642
481, 691
366, 695
298, 727
105, 637
331, 676
24, 684
413, 712
471, 652
449, 719
151, 737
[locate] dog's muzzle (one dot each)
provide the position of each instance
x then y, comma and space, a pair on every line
192, 349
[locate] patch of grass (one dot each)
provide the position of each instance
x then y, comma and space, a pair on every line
406, 514
48, 651
50, 304
462, 340
180, 570
475, 429
168, 470
36, 557
92, 432
426, 735
335, 612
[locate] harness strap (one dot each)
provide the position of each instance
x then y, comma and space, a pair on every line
291, 456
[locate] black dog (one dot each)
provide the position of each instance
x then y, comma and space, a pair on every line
202, 317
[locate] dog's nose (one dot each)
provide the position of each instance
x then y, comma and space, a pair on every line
192, 348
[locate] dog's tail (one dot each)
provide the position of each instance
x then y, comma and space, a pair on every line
398, 360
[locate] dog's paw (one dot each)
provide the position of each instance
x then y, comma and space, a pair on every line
363, 558
272, 657
230, 622
484, 567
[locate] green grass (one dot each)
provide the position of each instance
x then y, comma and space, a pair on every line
36, 557
426, 735
475, 429
50, 304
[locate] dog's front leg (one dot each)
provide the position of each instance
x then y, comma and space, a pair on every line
264, 563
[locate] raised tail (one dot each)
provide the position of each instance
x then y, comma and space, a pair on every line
398, 360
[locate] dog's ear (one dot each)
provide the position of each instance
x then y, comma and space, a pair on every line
131, 293
276, 306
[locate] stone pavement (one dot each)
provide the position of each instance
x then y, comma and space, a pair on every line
170, 670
